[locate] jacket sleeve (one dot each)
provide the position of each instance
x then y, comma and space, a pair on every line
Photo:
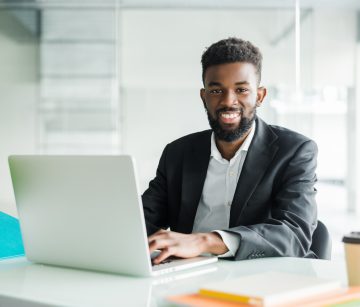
293, 219
155, 199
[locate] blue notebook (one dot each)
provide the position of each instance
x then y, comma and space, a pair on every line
11, 243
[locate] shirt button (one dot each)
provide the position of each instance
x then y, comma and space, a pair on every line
232, 173
229, 204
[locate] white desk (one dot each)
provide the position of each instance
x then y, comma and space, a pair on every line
26, 284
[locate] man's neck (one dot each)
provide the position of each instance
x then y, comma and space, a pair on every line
229, 149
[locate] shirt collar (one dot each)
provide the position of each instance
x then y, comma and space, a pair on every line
215, 153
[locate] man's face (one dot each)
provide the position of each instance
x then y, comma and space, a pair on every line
231, 96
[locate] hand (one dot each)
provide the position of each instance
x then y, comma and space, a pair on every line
185, 245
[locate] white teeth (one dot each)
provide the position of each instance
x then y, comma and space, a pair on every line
229, 115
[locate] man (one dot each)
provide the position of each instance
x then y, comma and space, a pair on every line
244, 189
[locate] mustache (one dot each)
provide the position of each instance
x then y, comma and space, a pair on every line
225, 109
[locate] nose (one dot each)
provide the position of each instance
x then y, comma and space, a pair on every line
229, 98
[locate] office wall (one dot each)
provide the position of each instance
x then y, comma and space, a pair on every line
160, 77
161, 71
334, 38
161, 74
18, 94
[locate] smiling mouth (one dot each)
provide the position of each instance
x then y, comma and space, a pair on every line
229, 117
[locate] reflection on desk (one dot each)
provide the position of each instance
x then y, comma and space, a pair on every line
26, 284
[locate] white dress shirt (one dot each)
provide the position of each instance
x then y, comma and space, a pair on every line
219, 188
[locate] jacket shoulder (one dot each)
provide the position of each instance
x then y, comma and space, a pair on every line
190, 139
289, 136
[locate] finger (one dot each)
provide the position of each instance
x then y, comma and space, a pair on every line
158, 239
159, 244
160, 232
165, 253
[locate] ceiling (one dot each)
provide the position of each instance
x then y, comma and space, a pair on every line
193, 4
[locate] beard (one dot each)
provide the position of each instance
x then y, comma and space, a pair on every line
233, 134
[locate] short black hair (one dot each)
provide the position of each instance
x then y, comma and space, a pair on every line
231, 50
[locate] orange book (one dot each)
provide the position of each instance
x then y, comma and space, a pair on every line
197, 300
333, 299
269, 288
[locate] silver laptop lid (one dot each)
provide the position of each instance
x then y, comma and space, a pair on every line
81, 211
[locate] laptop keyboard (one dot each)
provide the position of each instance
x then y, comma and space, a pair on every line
166, 261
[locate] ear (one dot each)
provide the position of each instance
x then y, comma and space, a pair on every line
261, 93
202, 96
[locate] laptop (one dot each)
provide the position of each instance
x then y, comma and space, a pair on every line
86, 212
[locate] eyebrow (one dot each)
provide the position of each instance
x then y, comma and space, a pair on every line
214, 83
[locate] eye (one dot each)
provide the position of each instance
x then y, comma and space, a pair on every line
242, 90
215, 91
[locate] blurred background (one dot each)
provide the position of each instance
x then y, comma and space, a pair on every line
113, 77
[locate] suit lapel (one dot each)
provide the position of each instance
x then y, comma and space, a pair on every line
196, 161
261, 152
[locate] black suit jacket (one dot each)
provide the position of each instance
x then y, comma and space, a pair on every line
273, 210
